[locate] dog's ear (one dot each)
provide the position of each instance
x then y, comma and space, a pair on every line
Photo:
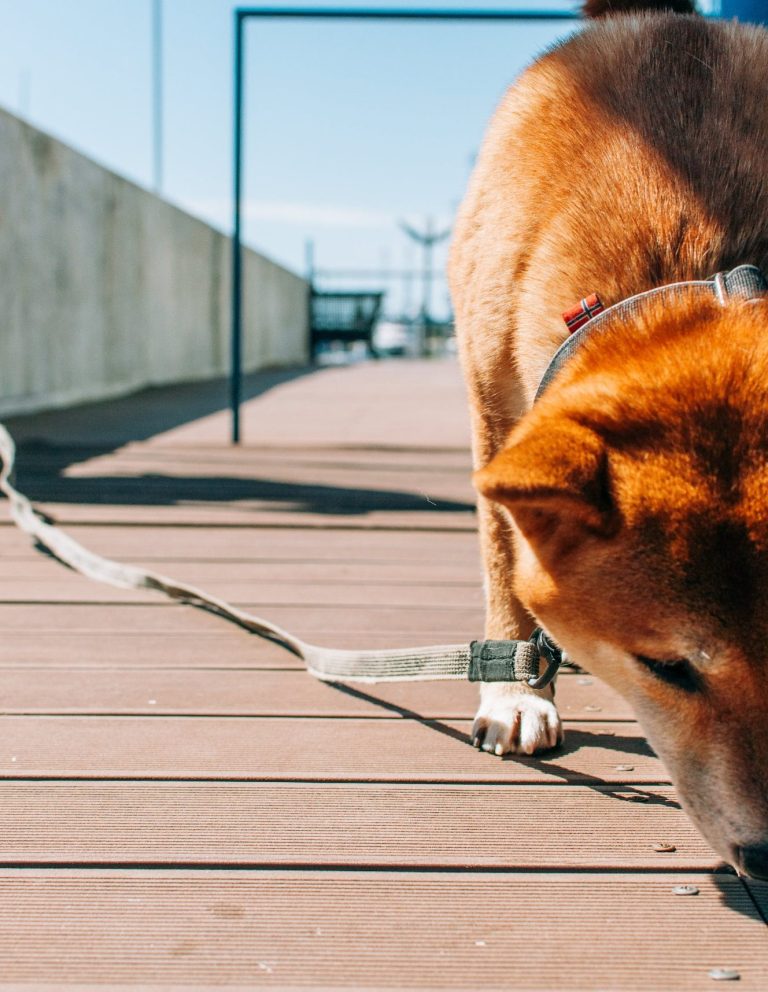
551, 473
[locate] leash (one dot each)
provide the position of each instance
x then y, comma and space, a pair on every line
480, 661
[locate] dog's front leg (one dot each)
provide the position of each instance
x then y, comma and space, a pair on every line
512, 716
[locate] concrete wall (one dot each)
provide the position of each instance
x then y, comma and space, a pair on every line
105, 288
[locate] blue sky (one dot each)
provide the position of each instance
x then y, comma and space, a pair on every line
350, 126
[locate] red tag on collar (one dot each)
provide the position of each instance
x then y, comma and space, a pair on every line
583, 312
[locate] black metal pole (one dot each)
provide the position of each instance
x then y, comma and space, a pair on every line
237, 248
426, 275
157, 94
241, 14
419, 14
309, 254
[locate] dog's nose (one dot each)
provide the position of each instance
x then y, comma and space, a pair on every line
754, 860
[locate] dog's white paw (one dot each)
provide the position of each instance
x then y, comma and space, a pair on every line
516, 719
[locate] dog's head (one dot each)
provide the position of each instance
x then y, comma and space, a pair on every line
638, 487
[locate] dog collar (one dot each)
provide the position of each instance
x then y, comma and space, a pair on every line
746, 282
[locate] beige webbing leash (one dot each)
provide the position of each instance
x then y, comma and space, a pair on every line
480, 661
507, 661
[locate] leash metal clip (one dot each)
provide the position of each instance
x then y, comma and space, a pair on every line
552, 654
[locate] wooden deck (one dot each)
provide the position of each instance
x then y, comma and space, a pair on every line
182, 806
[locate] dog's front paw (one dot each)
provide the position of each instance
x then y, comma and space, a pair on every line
516, 718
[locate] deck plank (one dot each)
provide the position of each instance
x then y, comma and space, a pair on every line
253, 513
264, 595
115, 479
275, 573
287, 544
289, 692
357, 930
390, 826
168, 768
74, 461
349, 749
402, 625
218, 646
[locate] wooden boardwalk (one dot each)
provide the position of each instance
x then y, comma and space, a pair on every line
182, 806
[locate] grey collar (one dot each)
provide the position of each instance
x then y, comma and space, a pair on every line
746, 282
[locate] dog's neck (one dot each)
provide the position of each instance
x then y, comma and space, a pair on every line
744, 283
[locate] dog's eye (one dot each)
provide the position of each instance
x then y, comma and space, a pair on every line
677, 672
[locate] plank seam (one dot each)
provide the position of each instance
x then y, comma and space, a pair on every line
372, 868
158, 713
321, 526
582, 780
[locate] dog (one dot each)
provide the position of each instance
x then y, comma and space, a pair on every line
626, 511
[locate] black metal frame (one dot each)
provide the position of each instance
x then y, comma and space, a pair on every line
243, 14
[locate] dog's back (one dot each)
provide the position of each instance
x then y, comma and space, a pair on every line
630, 156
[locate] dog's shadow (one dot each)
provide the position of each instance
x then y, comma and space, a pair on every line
741, 895
735, 894
437, 725
575, 739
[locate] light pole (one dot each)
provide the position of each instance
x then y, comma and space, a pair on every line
157, 95
427, 238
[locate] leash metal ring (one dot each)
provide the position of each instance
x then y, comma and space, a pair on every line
551, 652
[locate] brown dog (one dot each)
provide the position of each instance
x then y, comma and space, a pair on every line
627, 511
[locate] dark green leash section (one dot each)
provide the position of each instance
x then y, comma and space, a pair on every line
515, 661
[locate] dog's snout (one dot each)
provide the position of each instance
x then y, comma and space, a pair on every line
753, 860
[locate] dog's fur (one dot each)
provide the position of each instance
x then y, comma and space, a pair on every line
627, 512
